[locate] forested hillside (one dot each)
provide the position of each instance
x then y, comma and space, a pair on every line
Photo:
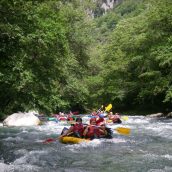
61, 55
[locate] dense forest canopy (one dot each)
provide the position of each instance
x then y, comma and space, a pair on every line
61, 55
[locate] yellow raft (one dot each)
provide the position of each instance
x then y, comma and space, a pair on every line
72, 140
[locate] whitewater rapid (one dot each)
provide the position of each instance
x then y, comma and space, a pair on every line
147, 149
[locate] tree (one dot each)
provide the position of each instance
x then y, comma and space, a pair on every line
43, 59
139, 47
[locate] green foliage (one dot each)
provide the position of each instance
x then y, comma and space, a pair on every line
130, 8
55, 57
41, 49
140, 54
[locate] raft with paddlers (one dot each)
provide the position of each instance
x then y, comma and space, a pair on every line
76, 140
96, 129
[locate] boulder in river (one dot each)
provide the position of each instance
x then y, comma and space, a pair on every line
169, 115
21, 119
156, 115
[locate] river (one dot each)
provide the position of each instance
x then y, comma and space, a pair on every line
147, 149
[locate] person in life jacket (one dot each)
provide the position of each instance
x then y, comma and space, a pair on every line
100, 119
62, 117
105, 132
75, 130
102, 130
115, 118
70, 116
93, 131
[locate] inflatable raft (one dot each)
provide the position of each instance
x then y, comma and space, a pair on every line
72, 140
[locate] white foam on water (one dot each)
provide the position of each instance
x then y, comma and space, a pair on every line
167, 156
156, 170
163, 130
116, 140
114, 126
20, 152
160, 126
93, 144
19, 168
50, 128
137, 120
25, 131
31, 157
156, 157
4, 167
168, 169
13, 139
165, 169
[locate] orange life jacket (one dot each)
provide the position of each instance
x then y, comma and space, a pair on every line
93, 131
78, 128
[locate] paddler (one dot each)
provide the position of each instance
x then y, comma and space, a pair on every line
94, 131
76, 130
115, 118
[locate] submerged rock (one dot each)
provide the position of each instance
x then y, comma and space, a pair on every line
160, 115
21, 119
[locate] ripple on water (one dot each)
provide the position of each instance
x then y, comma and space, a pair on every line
156, 157
19, 168
13, 139
148, 148
165, 169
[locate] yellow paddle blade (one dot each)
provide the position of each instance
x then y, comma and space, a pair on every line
125, 131
108, 108
125, 118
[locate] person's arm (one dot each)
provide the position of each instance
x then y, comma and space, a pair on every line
67, 132
85, 131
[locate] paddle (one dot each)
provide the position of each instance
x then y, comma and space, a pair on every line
99, 110
122, 130
49, 140
125, 118
108, 108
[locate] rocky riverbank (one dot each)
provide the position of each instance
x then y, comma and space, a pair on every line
160, 115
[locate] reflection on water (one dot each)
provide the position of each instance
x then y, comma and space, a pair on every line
147, 149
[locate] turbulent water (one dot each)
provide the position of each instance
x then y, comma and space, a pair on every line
147, 149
